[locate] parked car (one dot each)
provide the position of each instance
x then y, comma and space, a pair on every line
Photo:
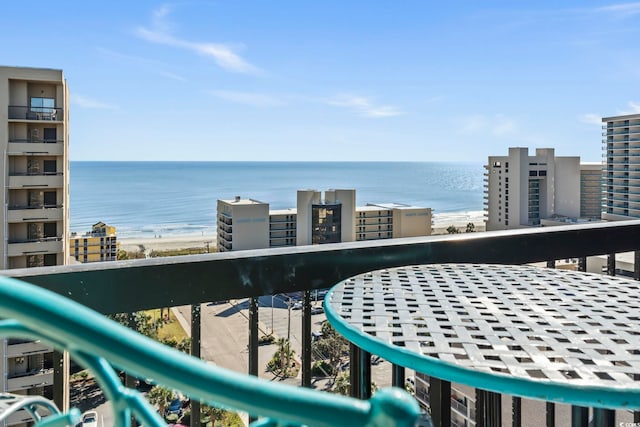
175, 407
317, 309
297, 305
90, 419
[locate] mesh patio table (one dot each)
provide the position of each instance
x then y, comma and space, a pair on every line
540, 333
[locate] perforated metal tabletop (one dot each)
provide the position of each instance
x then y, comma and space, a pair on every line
534, 332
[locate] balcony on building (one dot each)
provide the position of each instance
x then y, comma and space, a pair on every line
21, 347
36, 113
30, 379
45, 245
27, 147
36, 180
34, 213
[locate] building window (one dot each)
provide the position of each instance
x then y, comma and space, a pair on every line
50, 259
43, 105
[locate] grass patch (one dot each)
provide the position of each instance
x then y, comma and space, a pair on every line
178, 252
172, 328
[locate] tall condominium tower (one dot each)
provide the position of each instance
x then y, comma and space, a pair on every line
621, 151
520, 189
34, 128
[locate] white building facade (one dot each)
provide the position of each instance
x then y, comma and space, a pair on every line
521, 190
621, 152
34, 139
334, 218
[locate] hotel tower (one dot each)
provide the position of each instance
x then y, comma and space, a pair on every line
34, 138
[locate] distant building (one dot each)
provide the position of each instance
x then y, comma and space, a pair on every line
34, 221
249, 224
100, 244
591, 182
621, 149
528, 191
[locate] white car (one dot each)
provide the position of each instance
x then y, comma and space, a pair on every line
90, 419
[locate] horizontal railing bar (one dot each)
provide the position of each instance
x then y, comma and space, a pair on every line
132, 285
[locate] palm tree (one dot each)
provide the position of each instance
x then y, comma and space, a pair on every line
282, 357
160, 396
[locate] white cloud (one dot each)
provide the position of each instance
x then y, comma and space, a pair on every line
502, 125
497, 125
151, 64
622, 9
634, 108
249, 98
172, 76
364, 106
591, 118
222, 54
86, 102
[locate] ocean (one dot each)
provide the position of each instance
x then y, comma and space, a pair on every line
144, 199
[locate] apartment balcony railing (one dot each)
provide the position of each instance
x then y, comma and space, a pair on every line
45, 245
35, 147
129, 286
35, 213
36, 180
35, 141
35, 113
26, 380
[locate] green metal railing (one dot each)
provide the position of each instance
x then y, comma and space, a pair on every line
100, 344
128, 286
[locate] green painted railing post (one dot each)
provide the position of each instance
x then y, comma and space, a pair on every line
579, 416
354, 371
196, 323
611, 264
397, 376
253, 340
130, 380
551, 414
306, 340
603, 417
440, 401
365, 375
481, 397
516, 411
61, 380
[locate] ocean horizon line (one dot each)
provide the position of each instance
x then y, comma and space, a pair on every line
456, 162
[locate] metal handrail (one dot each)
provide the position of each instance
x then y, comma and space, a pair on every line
97, 342
12, 403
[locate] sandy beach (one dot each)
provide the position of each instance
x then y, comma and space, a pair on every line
148, 244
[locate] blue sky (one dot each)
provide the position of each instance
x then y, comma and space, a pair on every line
332, 80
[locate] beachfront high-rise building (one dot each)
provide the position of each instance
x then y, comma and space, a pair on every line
521, 190
242, 224
621, 152
99, 244
249, 224
34, 137
591, 190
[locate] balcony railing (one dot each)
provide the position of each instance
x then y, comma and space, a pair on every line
124, 287
35, 113
35, 141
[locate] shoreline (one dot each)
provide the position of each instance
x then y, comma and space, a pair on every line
177, 242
